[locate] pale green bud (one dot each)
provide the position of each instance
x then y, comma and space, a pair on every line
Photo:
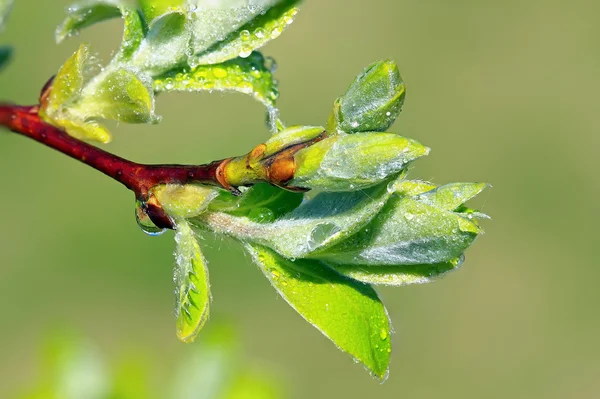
350, 162
372, 102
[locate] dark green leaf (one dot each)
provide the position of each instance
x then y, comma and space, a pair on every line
5, 55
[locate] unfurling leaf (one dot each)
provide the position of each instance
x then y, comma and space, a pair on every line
153, 9
166, 44
407, 232
352, 161
121, 95
244, 75
235, 30
85, 13
397, 275
317, 224
372, 102
347, 312
192, 289
67, 83
261, 203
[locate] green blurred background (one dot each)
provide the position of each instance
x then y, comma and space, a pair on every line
504, 92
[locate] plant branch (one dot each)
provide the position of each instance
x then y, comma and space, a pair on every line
139, 178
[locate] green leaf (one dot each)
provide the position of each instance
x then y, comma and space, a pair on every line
451, 196
85, 13
5, 55
315, 225
5, 9
347, 312
67, 83
119, 95
352, 161
244, 75
225, 32
83, 130
397, 275
406, 232
133, 33
192, 293
153, 9
262, 203
372, 102
166, 44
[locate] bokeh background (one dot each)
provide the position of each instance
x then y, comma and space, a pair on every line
504, 92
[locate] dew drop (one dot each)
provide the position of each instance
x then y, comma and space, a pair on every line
383, 335
259, 33
144, 221
245, 35
219, 73
320, 234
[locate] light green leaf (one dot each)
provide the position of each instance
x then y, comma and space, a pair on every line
133, 33
397, 275
5, 8
192, 292
83, 130
244, 75
85, 13
406, 232
373, 101
119, 95
451, 196
352, 161
347, 312
315, 225
5, 55
225, 32
153, 9
67, 83
166, 44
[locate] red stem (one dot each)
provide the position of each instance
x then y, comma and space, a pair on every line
137, 177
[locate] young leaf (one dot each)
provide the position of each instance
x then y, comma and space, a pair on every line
244, 75
347, 312
166, 44
84, 130
192, 292
397, 275
352, 161
67, 83
373, 101
85, 13
406, 232
153, 9
262, 203
238, 30
120, 95
315, 225
451, 196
